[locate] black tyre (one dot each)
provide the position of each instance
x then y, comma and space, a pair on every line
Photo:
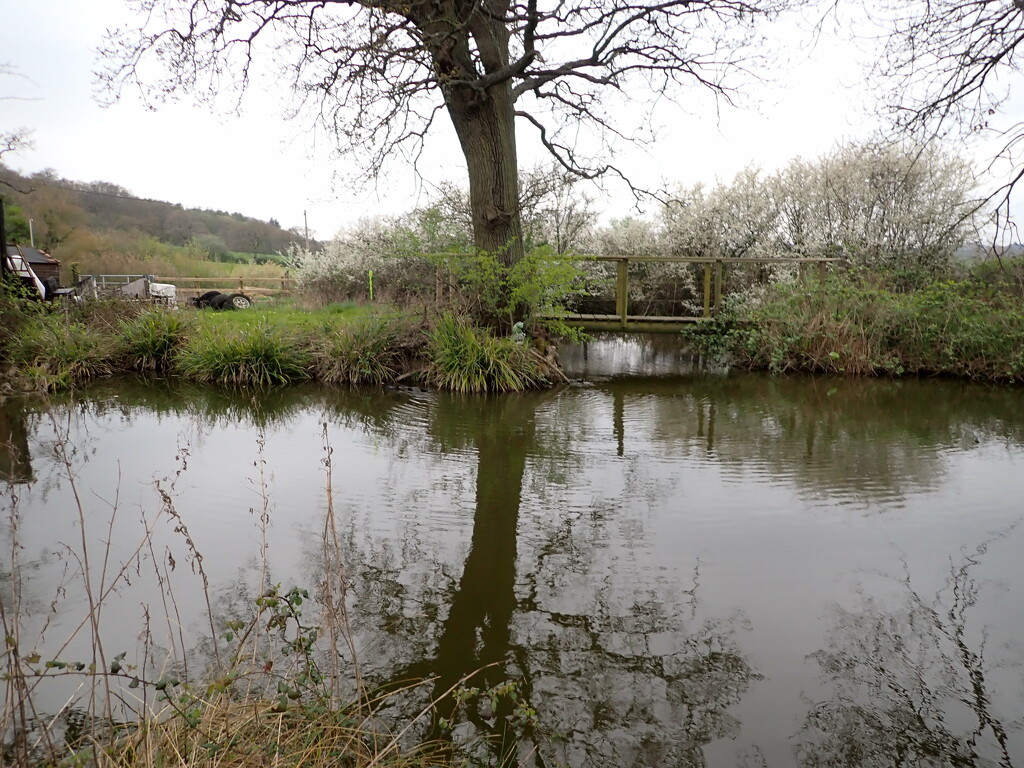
239, 301
206, 298
221, 301
50, 286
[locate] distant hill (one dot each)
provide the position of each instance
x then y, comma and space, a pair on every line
61, 206
973, 252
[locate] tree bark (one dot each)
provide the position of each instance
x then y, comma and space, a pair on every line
486, 129
484, 120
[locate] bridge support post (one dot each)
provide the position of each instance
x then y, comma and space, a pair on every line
622, 291
707, 289
719, 279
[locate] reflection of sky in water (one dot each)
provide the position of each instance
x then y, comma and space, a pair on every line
770, 501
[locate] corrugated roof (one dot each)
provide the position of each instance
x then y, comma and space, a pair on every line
31, 255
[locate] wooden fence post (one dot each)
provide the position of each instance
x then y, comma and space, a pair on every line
707, 289
622, 291
719, 279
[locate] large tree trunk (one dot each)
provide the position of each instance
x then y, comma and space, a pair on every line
482, 110
485, 124
484, 119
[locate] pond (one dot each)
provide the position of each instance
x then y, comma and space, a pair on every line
676, 569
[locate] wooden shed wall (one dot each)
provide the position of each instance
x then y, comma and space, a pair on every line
44, 271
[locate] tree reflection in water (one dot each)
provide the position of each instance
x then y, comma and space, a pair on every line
918, 685
503, 549
620, 673
15, 459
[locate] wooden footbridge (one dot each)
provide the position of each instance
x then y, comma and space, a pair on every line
715, 273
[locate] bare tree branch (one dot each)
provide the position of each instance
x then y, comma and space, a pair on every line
951, 64
376, 72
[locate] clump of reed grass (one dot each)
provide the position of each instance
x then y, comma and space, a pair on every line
371, 351
253, 356
58, 352
464, 358
149, 340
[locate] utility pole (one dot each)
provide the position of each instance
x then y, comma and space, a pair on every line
305, 224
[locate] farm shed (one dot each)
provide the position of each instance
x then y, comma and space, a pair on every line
42, 263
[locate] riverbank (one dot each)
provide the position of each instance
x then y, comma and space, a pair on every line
970, 328
46, 348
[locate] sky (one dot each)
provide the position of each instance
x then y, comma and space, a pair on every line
260, 164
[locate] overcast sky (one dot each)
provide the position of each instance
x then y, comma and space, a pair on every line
261, 165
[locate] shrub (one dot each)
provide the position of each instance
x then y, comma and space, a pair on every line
341, 270
413, 261
847, 326
539, 284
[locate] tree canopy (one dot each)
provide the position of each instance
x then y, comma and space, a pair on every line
377, 73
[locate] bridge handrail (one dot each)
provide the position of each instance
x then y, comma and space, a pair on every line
710, 259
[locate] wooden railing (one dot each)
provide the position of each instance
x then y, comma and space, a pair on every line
714, 274
256, 286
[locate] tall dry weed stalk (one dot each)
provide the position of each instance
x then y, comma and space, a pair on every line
30, 735
334, 587
273, 689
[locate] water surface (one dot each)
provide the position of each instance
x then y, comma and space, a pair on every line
686, 569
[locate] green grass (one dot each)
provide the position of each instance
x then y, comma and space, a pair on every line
62, 347
59, 352
149, 341
286, 317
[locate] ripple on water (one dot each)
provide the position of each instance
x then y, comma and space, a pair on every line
611, 537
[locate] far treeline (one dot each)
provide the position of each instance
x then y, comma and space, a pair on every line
76, 221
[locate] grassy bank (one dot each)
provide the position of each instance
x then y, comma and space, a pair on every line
55, 348
971, 328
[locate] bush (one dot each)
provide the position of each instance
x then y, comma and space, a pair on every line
341, 270
493, 293
397, 259
846, 326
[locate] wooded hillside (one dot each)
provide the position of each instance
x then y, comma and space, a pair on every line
68, 216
